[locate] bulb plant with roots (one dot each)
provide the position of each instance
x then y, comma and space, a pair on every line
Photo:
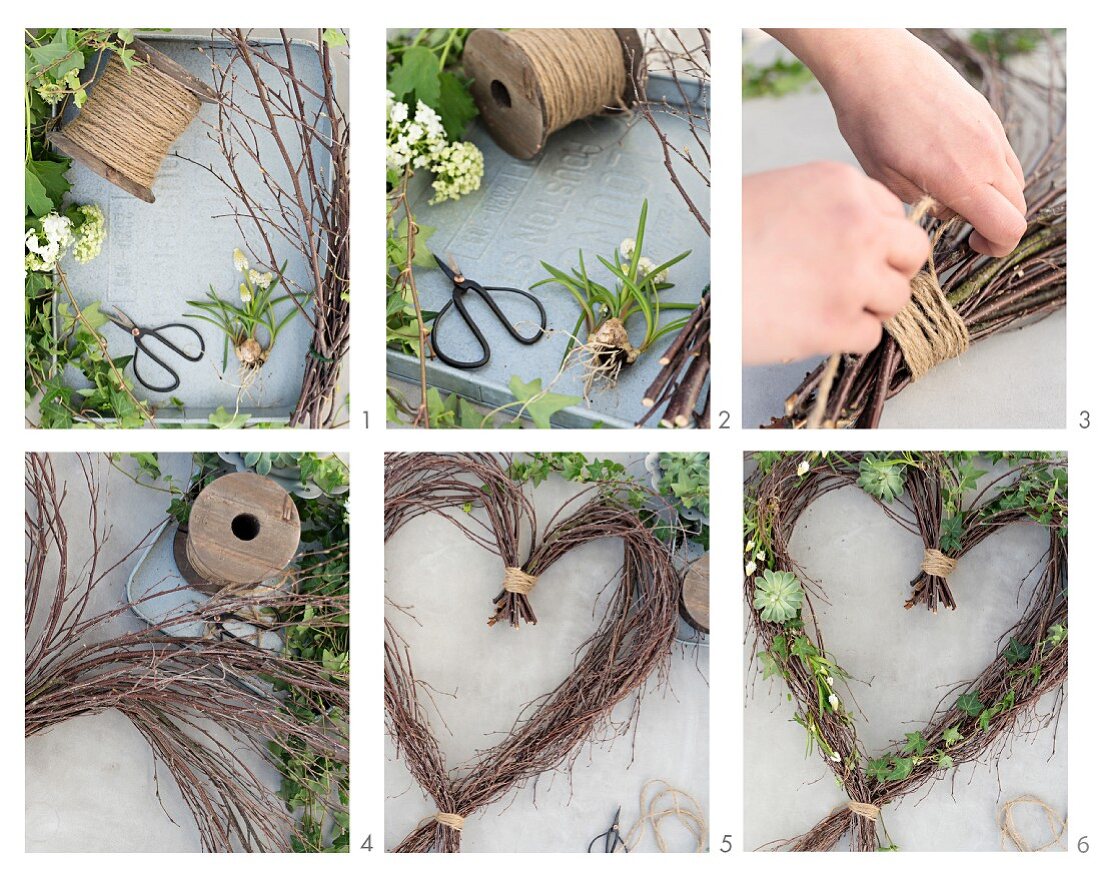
636, 290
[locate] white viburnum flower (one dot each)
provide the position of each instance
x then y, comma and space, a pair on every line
239, 261
91, 234
57, 229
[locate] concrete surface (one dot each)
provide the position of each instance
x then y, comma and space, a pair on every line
902, 663
448, 584
1012, 380
89, 782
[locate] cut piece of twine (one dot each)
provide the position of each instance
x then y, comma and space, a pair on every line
864, 809
580, 71
518, 581
928, 330
1009, 831
132, 118
936, 563
451, 821
666, 803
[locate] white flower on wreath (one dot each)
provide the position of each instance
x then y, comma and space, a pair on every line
803, 467
750, 568
834, 702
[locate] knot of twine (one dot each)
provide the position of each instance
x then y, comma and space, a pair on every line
928, 329
518, 581
936, 563
451, 821
1009, 831
580, 71
132, 118
864, 809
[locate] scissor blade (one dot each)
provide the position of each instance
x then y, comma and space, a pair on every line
118, 318
447, 270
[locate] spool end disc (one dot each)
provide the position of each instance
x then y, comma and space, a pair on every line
506, 91
243, 528
97, 165
695, 595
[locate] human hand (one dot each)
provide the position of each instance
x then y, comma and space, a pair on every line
919, 128
827, 256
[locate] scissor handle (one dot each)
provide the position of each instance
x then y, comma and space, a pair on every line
157, 333
484, 293
173, 374
456, 300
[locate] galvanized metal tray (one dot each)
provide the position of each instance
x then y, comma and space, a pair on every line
584, 191
157, 256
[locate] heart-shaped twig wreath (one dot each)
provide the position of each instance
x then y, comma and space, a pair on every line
631, 643
924, 493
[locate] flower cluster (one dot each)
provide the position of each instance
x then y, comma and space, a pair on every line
46, 247
420, 142
255, 280
645, 264
91, 234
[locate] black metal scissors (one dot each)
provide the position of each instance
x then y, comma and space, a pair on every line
141, 333
612, 839
463, 285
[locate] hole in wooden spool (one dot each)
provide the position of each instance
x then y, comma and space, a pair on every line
499, 91
245, 526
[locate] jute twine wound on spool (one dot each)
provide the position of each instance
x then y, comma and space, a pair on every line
518, 581
936, 563
531, 82
131, 119
243, 529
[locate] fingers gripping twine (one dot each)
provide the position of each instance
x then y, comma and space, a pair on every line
936, 563
518, 581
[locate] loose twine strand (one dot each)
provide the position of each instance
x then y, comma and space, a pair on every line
1009, 831
580, 71
654, 810
519, 581
928, 330
132, 118
936, 563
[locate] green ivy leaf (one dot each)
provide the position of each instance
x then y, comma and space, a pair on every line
902, 767
944, 760
224, 420
970, 704
878, 769
915, 744
1016, 653
37, 200
952, 736
768, 665
334, 37
539, 404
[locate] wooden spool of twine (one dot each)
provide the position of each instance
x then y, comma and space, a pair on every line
132, 118
531, 82
243, 529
